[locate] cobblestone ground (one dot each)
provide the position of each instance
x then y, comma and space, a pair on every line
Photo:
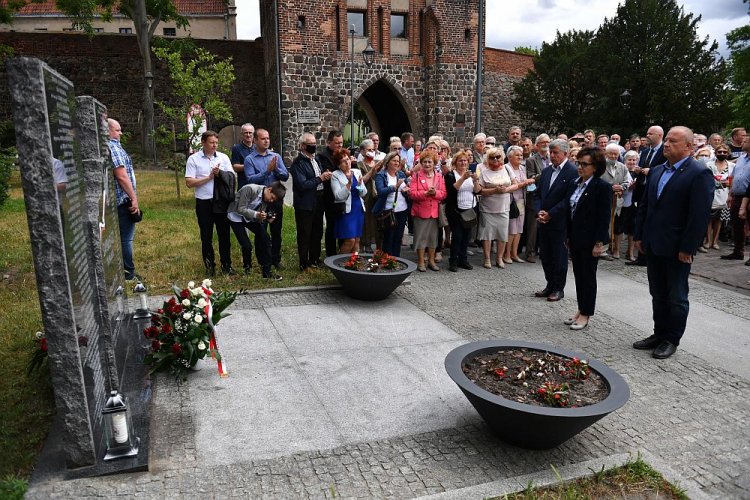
691, 415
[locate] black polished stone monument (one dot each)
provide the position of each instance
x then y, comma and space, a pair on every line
66, 177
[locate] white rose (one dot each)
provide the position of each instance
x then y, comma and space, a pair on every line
186, 302
39, 335
191, 284
202, 303
201, 346
207, 283
197, 291
187, 316
198, 318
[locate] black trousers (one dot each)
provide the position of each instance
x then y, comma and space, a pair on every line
330, 239
460, 236
554, 257
310, 232
207, 219
275, 228
584, 270
262, 244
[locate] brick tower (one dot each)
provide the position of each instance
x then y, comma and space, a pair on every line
422, 78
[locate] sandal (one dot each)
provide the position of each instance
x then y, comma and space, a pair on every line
487, 264
716, 247
433, 267
421, 269
499, 264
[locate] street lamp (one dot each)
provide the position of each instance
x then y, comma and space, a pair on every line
150, 83
625, 99
368, 54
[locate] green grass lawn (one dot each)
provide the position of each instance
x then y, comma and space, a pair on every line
166, 250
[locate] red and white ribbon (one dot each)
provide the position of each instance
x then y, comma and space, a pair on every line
209, 312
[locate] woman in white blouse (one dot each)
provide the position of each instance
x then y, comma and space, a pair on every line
462, 187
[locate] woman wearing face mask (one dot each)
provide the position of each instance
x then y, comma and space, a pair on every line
721, 168
369, 168
617, 175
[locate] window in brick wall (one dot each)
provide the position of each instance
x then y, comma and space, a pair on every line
126, 31
358, 20
98, 30
170, 31
399, 26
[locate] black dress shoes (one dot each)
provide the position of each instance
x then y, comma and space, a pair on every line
466, 265
555, 296
665, 350
543, 293
648, 343
733, 256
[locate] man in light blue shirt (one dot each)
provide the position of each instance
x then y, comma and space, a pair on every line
407, 149
265, 167
740, 183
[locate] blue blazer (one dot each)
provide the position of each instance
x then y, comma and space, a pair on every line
384, 190
554, 199
590, 223
676, 221
640, 179
304, 183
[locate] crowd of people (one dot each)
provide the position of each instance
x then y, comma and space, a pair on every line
557, 200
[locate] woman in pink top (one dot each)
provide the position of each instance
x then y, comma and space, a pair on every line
427, 190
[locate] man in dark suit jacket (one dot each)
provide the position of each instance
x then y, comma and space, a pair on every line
307, 185
671, 223
550, 205
325, 160
650, 157
534, 166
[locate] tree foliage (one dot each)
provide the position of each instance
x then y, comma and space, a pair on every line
738, 41
532, 51
651, 48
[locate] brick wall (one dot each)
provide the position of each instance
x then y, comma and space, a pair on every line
507, 62
109, 68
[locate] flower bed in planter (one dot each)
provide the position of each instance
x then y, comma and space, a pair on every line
366, 284
526, 425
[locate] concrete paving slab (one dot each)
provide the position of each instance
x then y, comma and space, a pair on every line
319, 328
708, 334
248, 331
264, 409
375, 393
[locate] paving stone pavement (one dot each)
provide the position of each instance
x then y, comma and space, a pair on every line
684, 411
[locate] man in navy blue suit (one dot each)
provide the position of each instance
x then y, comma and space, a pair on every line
671, 223
551, 205
650, 157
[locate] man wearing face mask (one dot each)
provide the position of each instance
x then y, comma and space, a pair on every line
309, 205
534, 166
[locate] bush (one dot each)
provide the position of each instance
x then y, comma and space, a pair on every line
12, 488
7, 162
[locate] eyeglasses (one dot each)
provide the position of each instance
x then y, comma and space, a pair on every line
490, 144
584, 164
247, 133
493, 158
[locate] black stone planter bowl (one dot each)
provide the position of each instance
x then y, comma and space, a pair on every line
528, 426
364, 285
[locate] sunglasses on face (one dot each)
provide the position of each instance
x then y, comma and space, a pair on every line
493, 158
584, 164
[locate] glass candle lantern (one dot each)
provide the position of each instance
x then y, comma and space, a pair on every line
121, 440
142, 311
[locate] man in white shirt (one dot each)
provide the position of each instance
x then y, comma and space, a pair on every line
200, 171
379, 155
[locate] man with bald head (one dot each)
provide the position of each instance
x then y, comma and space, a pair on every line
125, 197
671, 223
650, 157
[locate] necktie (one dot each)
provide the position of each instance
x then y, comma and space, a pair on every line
649, 157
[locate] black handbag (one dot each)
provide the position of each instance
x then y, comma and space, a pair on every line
468, 218
514, 211
387, 219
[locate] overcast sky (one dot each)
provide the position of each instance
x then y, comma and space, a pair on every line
538, 20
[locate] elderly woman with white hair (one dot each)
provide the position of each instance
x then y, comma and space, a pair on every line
617, 175
629, 210
480, 145
498, 182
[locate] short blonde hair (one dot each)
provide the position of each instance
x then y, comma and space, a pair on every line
492, 152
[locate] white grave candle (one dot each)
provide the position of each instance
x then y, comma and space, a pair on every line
120, 428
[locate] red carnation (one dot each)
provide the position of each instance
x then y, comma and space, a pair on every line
542, 391
152, 331
155, 345
175, 348
557, 396
43, 344
166, 329
184, 294
172, 301
160, 311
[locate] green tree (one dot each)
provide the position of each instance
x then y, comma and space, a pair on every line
532, 51
558, 93
652, 49
146, 16
738, 41
198, 78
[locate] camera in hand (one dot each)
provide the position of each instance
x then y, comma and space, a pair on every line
270, 215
